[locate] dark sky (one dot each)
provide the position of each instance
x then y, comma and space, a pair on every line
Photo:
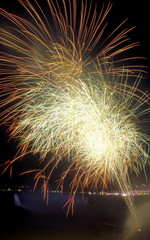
138, 15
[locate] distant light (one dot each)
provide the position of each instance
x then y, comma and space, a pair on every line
116, 194
124, 194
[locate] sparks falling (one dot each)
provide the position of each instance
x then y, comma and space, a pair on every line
59, 98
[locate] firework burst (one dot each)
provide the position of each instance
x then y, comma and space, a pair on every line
56, 99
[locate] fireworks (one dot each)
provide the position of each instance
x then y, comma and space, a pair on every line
57, 99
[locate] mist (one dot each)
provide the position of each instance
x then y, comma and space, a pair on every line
137, 228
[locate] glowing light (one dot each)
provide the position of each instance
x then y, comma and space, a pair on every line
84, 111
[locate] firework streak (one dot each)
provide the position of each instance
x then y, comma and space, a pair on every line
68, 104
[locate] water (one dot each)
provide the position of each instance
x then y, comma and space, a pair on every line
95, 217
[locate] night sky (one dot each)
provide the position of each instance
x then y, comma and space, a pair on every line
138, 15
96, 214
